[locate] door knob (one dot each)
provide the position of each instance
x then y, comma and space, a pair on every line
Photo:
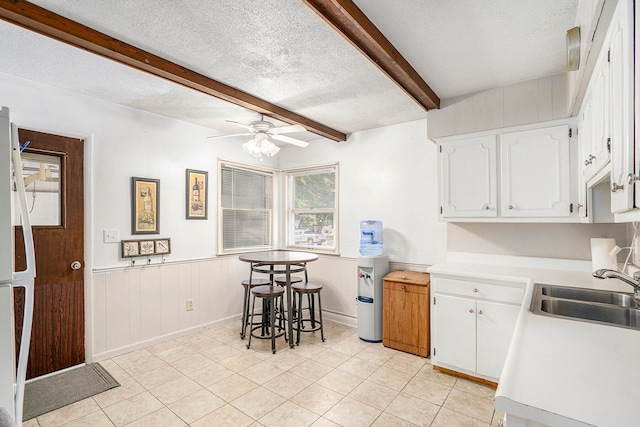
76, 265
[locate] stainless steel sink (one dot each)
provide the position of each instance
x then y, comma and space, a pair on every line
586, 305
590, 295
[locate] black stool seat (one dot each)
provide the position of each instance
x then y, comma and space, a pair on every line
256, 282
267, 291
307, 287
282, 281
270, 295
311, 290
247, 284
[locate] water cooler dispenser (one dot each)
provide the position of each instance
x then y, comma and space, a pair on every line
371, 271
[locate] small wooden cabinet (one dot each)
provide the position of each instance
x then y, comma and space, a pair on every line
405, 312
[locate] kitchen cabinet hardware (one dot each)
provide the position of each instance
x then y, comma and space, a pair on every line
475, 290
486, 207
471, 310
631, 178
615, 187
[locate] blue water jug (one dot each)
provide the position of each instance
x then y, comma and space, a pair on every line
371, 238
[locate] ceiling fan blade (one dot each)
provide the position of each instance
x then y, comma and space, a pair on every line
228, 136
247, 127
287, 129
290, 140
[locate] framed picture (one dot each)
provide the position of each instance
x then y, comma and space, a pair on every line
130, 248
145, 201
163, 246
196, 189
147, 247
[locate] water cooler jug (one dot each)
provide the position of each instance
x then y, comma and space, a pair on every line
371, 271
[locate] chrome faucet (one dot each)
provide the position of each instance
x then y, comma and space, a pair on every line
634, 281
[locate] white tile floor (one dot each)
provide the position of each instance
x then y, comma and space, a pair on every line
210, 378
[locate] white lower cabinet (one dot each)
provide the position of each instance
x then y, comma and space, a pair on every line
472, 323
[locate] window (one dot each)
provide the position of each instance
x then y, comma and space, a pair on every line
245, 208
312, 208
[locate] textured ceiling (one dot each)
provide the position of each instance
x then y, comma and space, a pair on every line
281, 51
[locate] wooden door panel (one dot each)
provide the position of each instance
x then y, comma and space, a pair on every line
57, 339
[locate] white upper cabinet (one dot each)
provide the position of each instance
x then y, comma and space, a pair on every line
468, 178
523, 174
535, 173
622, 126
595, 121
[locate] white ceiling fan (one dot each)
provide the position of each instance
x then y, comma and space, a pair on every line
262, 131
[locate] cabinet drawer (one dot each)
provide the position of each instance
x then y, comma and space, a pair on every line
511, 293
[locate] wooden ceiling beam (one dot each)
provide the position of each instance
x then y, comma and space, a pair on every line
353, 24
45, 22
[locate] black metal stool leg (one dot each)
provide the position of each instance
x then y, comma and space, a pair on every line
272, 314
320, 314
299, 317
245, 311
253, 309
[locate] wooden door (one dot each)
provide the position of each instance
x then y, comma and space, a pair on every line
57, 339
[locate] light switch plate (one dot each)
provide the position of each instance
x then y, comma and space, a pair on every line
110, 236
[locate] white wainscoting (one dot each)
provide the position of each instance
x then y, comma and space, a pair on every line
139, 306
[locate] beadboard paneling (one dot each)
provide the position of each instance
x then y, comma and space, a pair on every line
135, 307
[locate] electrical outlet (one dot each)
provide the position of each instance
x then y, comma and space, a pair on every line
110, 236
190, 304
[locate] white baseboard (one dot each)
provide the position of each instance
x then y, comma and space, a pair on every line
146, 343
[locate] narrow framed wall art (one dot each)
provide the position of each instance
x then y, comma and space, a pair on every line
145, 204
197, 183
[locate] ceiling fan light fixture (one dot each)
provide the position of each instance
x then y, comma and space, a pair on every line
250, 147
269, 148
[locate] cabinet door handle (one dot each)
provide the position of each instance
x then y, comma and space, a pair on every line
403, 288
471, 310
615, 187
511, 207
475, 290
486, 207
479, 311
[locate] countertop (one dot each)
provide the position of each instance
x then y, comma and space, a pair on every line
560, 371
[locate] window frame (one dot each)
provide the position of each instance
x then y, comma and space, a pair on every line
272, 214
290, 211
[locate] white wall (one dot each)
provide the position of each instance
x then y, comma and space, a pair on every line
530, 101
388, 174
121, 143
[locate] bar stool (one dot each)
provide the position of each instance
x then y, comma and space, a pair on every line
311, 289
249, 284
270, 295
282, 281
